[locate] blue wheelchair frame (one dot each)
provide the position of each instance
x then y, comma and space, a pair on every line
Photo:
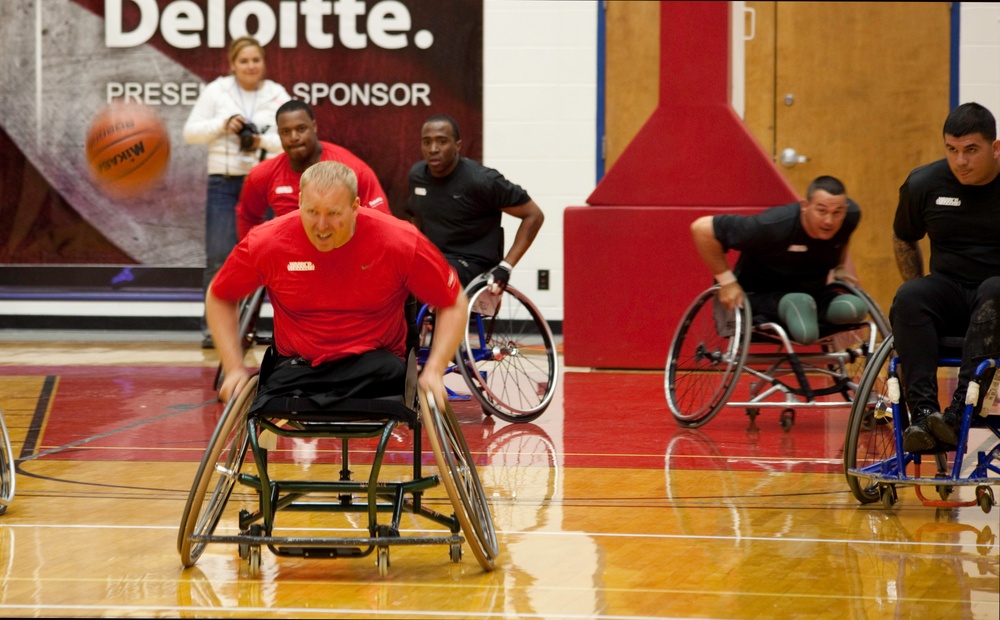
490, 339
889, 472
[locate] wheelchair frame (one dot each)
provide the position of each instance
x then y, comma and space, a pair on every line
222, 468
8, 467
712, 348
874, 462
493, 357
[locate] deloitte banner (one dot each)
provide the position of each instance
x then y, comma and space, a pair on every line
372, 70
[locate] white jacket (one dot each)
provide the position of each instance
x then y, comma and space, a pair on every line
216, 104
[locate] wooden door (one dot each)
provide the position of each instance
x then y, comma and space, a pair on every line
632, 72
861, 89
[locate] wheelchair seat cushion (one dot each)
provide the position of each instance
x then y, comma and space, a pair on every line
370, 375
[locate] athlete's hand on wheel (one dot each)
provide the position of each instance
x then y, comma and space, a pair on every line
232, 383
499, 277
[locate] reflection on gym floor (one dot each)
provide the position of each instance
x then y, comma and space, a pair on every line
603, 506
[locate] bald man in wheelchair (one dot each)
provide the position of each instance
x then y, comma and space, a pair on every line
337, 278
787, 256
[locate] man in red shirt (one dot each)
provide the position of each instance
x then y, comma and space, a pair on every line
337, 276
274, 182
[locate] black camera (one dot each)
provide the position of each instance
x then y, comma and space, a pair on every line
246, 136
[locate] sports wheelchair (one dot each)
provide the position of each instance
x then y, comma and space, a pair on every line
225, 466
874, 461
714, 346
7, 467
507, 358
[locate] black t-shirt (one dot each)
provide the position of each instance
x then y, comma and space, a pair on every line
962, 222
461, 213
776, 254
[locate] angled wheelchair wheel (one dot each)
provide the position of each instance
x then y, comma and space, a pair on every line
216, 476
705, 359
508, 356
249, 314
461, 480
871, 434
7, 466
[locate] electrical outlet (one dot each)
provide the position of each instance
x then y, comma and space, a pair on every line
543, 279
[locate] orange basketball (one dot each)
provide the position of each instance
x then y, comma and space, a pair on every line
128, 149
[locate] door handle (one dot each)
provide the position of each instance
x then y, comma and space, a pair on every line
789, 158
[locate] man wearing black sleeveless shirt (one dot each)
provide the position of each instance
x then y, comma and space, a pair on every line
457, 203
954, 201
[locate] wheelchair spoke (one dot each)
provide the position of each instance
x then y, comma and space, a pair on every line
870, 441
508, 357
705, 358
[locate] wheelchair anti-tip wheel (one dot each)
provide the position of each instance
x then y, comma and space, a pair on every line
706, 357
461, 481
7, 467
871, 435
508, 356
216, 476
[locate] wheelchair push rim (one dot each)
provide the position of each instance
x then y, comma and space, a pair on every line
461, 480
871, 433
7, 467
508, 357
216, 475
703, 365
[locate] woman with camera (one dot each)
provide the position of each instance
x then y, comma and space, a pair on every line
234, 116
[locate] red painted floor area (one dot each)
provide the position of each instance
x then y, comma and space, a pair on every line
598, 419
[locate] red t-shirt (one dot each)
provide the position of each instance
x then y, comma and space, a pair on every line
273, 183
328, 305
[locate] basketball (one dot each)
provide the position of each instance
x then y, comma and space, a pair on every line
128, 149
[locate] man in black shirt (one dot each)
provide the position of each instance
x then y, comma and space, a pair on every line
787, 254
458, 204
955, 201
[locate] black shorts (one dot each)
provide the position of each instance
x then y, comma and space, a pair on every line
373, 374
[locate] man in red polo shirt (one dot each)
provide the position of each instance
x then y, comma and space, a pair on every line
337, 276
274, 183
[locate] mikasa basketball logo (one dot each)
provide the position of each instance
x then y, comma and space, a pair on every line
186, 25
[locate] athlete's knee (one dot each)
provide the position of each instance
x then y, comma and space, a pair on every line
845, 309
798, 314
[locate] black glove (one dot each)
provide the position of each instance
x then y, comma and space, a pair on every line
500, 274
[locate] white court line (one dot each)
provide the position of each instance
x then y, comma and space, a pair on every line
831, 541
301, 612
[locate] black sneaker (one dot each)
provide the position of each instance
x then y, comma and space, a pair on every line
916, 437
945, 427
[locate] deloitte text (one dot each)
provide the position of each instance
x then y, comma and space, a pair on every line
185, 24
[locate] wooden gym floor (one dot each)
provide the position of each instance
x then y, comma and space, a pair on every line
604, 507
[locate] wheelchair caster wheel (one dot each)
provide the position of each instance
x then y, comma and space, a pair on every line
383, 561
984, 497
455, 552
253, 561
787, 419
243, 548
888, 496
